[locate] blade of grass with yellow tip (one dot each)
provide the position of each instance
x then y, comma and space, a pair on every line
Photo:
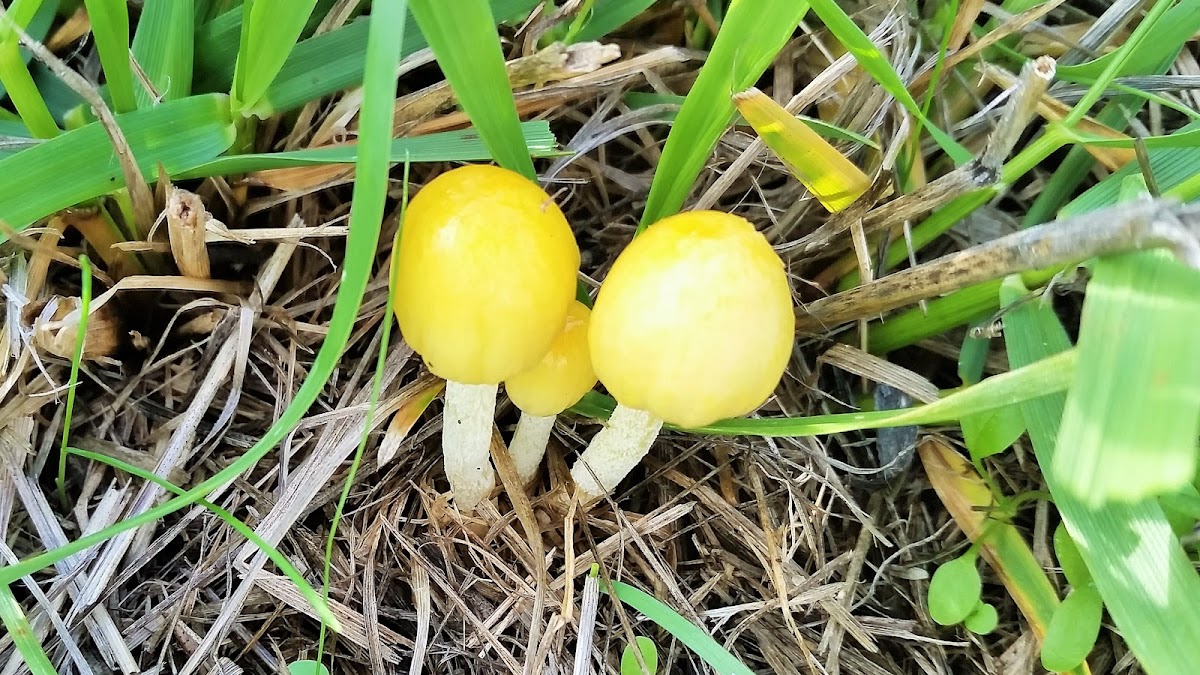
834, 180
971, 503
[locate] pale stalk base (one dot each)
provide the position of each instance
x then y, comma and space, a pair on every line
466, 442
613, 452
529, 444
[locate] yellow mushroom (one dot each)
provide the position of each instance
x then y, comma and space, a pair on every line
485, 273
693, 324
556, 383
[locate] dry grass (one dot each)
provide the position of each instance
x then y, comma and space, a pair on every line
785, 550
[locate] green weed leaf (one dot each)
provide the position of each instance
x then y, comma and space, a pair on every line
307, 667
991, 433
1073, 630
954, 591
983, 620
629, 663
1067, 553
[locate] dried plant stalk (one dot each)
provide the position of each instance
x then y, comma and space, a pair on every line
186, 221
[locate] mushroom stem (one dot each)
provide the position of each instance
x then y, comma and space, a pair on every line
613, 452
529, 443
466, 441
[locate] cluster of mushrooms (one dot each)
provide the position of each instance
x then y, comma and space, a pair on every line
694, 323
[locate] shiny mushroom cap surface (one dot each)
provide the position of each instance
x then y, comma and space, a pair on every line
695, 321
485, 273
563, 375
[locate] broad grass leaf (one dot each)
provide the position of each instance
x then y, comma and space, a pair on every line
1133, 413
1146, 579
81, 164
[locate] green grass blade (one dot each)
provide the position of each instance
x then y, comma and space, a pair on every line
110, 29
366, 218
22, 634
60, 99
1147, 582
38, 27
464, 40
85, 306
269, 31
868, 56
447, 146
1172, 167
609, 15
15, 75
1118, 64
318, 66
1037, 379
708, 649
163, 46
1163, 43
1154, 56
319, 604
751, 35
941, 314
81, 164
385, 342
1133, 412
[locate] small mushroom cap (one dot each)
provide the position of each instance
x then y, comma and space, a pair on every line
563, 375
485, 271
694, 322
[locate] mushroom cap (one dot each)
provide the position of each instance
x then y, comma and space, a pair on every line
694, 322
563, 375
484, 273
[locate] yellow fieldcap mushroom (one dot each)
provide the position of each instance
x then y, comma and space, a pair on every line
485, 273
556, 383
693, 324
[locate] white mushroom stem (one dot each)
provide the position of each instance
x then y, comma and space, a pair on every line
466, 441
613, 452
529, 443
